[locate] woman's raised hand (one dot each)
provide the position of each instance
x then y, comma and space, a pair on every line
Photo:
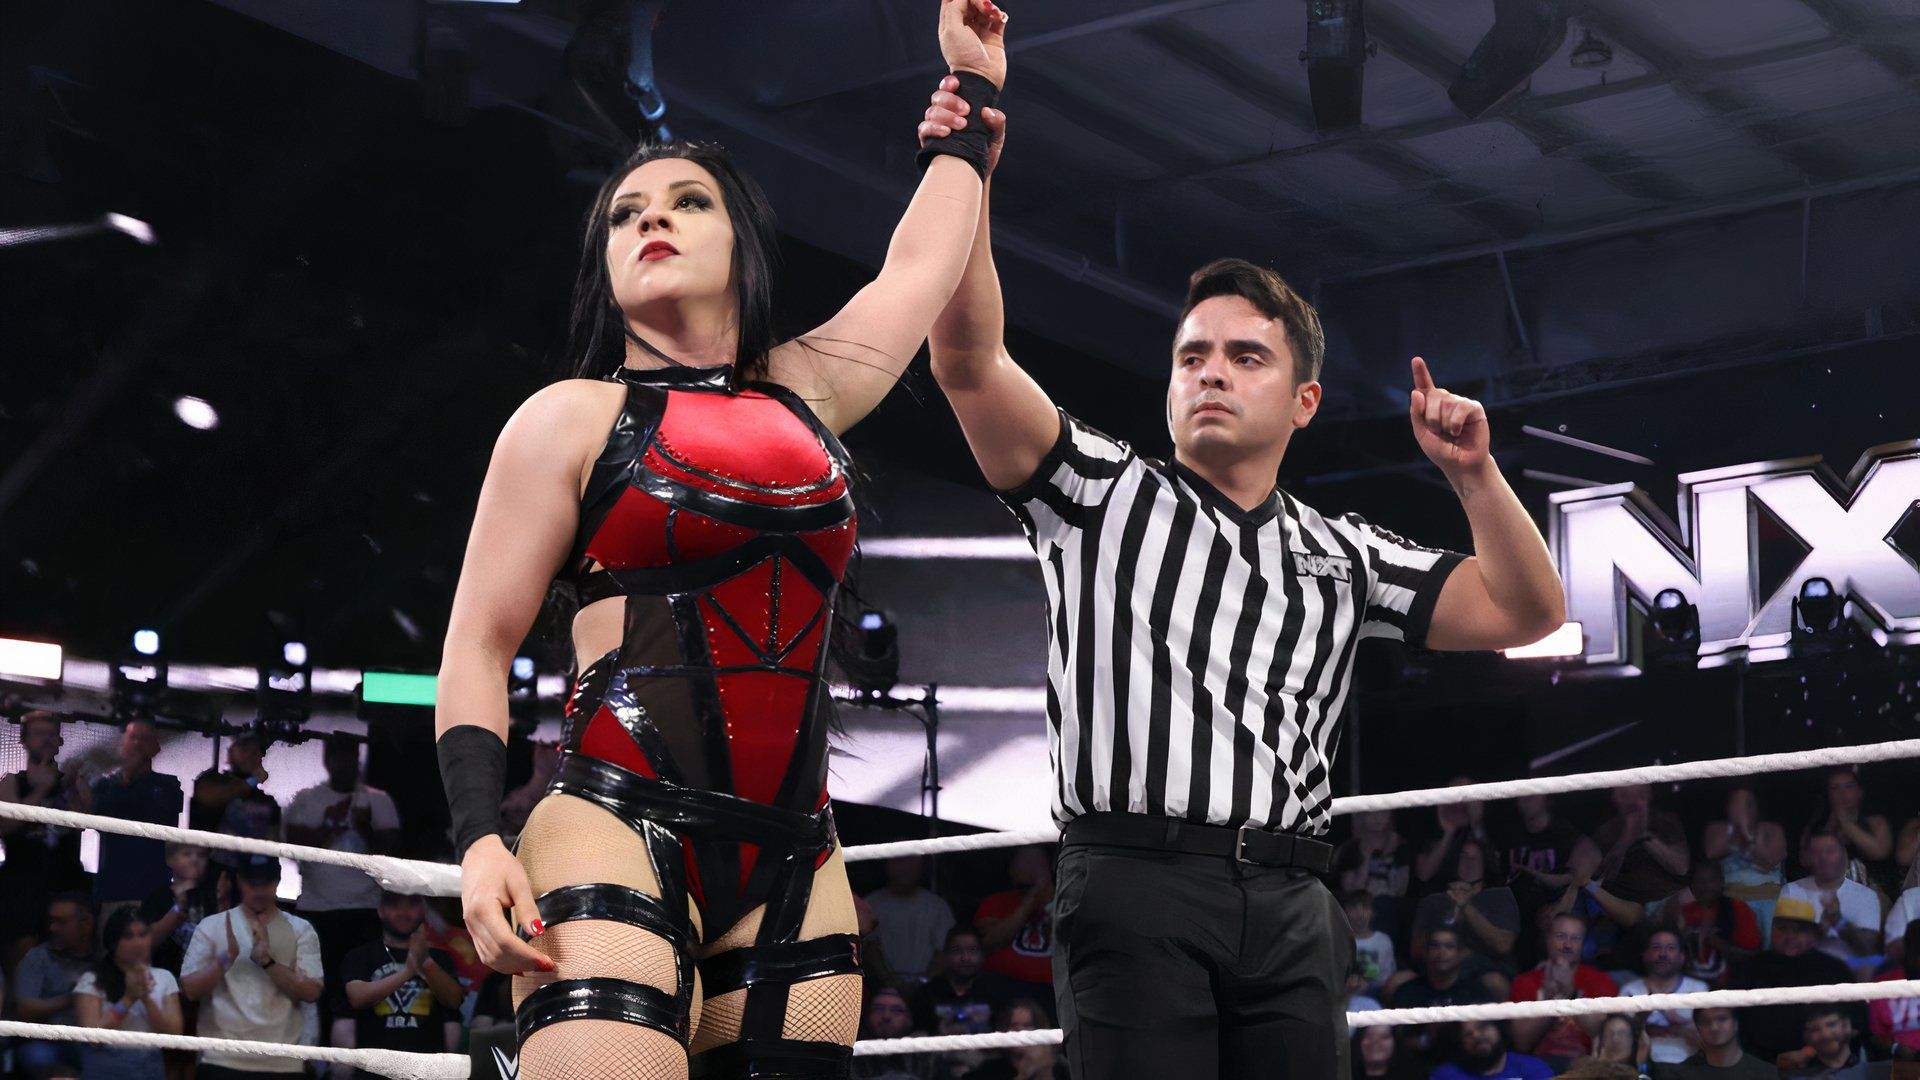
491, 881
948, 114
973, 37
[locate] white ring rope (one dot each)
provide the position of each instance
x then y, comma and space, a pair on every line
441, 879
1482, 792
1444, 1014
394, 1063
399, 875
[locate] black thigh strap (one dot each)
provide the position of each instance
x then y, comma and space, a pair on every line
774, 1059
835, 954
602, 999
616, 903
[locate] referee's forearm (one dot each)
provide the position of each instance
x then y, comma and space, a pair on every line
1512, 555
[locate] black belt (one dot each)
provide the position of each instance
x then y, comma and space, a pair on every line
1167, 834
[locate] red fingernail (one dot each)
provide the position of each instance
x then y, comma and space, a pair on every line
538, 927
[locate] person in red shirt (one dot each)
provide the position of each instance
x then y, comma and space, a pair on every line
1016, 926
1894, 1023
1719, 929
1561, 975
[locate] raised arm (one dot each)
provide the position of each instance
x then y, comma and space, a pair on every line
1009, 422
845, 366
1509, 593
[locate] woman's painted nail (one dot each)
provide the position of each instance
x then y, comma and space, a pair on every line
537, 927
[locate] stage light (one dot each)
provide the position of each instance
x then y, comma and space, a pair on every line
1336, 54
139, 678
1676, 626
285, 689
146, 642
35, 660
196, 413
1524, 35
1818, 609
294, 653
523, 692
872, 662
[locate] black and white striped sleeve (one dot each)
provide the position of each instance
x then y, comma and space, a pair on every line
1068, 490
1403, 582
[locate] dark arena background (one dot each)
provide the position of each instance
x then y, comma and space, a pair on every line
274, 273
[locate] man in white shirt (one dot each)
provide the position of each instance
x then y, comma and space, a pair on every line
1849, 911
913, 921
1670, 1030
342, 814
253, 967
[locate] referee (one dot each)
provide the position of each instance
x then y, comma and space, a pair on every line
1202, 629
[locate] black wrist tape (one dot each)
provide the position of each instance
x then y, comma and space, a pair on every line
473, 769
969, 143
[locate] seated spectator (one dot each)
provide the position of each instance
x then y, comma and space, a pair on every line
1608, 916
1439, 982
341, 814
1894, 1023
1643, 849
888, 1017
1482, 1051
1772, 1030
913, 920
1023, 1062
1848, 913
1904, 910
1377, 861
1560, 976
1377, 1055
1434, 868
1372, 949
1829, 1052
43, 984
1751, 853
1668, 1031
131, 868
1621, 1041
400, 994
1016, 926
1718, 929
1721, 1057
1486, 916
40, 859
1537, 856
124, 992
172, 912
961, 999
252, 966
1867, 838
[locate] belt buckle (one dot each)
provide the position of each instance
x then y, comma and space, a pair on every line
1240, 844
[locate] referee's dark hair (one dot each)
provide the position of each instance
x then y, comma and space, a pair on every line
1270, 294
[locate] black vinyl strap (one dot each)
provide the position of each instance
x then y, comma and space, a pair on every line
835, 954
773, 1059
615, 903
598, 585
602, 999
639, 800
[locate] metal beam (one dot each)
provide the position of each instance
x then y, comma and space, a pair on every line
1017, 44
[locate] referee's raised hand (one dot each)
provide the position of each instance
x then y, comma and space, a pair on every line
1451, 429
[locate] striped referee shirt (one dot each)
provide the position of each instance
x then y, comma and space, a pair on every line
1200, 654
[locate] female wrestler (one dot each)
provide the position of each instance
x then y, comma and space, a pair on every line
679, 888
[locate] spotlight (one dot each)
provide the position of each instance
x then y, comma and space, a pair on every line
872, 662
523, 692
294, 653
139, 678
1820, 623
1525, 34
1676, 626
36, 661
196, 413
1337, 50
286, 688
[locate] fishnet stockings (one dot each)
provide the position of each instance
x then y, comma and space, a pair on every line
824, 1010
598, 1049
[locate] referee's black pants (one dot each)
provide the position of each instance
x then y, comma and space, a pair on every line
1167, 964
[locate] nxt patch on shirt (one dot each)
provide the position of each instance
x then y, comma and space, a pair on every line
1337, 567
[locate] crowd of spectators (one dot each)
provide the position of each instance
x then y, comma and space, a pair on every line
1464, 904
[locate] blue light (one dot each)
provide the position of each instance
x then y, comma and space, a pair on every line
146, 642
1816, 588
523, 667
294, 653
1669, 599
872, 620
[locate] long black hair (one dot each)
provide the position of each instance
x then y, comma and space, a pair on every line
106, 971
597, 330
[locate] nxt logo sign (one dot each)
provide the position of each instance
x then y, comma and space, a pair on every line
1337, 567
1612, 543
